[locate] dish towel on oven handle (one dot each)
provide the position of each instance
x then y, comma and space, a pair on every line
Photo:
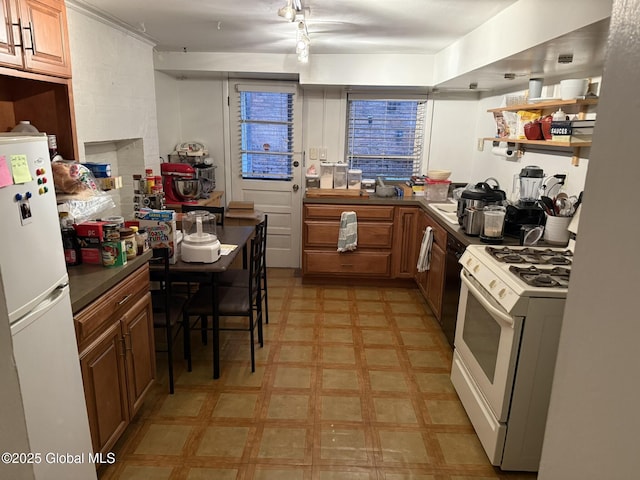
348, 234
424, 259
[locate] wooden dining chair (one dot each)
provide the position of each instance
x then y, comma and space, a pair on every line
244, 301
240, 278
167, 306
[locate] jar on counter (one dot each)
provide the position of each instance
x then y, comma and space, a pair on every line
111, 232
71, 247
142, 241
127, 236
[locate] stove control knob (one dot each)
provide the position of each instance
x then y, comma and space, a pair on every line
502, 293
492, 284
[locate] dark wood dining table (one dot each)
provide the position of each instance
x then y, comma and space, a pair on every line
209, 272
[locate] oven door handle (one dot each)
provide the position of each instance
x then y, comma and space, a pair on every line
496, 313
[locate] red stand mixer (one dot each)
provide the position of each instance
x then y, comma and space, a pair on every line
180, 183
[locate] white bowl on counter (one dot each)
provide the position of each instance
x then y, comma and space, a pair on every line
439, 174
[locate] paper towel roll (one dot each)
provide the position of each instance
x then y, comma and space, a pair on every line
503, 150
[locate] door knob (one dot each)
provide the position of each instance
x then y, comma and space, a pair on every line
296, 163
295, 187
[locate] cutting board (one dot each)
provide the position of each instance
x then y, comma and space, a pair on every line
336, 193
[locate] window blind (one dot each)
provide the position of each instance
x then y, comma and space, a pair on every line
266, 132
385, 137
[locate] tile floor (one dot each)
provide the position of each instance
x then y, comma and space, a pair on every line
352, 383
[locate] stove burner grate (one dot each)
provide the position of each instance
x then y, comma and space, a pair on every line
537, 256
543, 277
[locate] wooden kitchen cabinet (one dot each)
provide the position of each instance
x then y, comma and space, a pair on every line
117, 356
431, 282
34, 36
372, 257
408, 237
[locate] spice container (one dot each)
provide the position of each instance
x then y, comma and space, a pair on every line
142, 240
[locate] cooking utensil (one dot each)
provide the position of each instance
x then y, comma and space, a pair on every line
548, 205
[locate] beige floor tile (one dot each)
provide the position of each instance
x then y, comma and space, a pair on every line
428, 358
336, 319
338, 379
288, 407
211, 473
434, 382
164, 440
418, 339
377, 337
370, 307
227, 442
265, 473
236, 405
341, 408
136, 472
305, 304
347, 474
403, 447
343, 444
295, 353
292, 377
387, 381
395, 410
335, 294
365, 293
337, 335
307, 293
461, 449
398, 295
372, 320
201, 374
408, 308
182, 404
283, 443
386, 357
336, 306
241, 376
409, 476
301, 318
294, 333
410, 322
447, 412
337, 354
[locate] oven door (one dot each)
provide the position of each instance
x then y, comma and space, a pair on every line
487, 341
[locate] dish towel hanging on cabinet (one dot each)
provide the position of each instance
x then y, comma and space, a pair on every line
424, 259
348, 234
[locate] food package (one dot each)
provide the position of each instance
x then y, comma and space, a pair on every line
511, 123
524, 117
161, 227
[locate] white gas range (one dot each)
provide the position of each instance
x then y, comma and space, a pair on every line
509, 319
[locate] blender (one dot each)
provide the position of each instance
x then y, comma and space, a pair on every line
526, 211
200, 243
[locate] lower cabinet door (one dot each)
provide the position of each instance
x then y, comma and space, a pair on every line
105, 388
435, 281
137, 327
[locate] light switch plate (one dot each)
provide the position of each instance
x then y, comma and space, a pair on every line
313, 153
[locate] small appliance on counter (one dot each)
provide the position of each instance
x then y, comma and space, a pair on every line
180, 183
200, 243
471, 203
526, 211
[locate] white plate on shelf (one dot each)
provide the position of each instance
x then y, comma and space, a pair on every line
543, 99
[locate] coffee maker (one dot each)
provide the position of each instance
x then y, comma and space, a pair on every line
180, 183
526, 211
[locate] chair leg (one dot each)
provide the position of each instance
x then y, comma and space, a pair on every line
187, 340
170, 355
253, 348
259, 314
266, 301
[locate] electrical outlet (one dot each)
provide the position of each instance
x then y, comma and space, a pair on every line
323, 153
480, 144
313, 153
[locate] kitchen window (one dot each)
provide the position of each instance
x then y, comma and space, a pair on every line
266, 132
386, 136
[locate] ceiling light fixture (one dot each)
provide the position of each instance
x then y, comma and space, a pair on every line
288, 11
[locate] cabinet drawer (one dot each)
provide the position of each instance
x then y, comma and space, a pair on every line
361, 264
439, 233
370, 235
91, 321
363, 212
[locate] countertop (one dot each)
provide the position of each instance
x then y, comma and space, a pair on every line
87, 282
419, 201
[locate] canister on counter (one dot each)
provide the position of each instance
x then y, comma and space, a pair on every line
111, 232
113, 254
127, 236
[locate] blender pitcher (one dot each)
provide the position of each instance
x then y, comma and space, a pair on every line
531, 179
493, 228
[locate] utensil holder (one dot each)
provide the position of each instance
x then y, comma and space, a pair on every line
556, 230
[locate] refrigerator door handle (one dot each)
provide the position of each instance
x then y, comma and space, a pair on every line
56, 296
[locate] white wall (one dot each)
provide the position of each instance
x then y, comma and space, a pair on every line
593, 423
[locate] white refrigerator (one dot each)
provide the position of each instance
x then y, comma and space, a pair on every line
34, 279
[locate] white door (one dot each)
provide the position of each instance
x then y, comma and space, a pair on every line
266, 161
